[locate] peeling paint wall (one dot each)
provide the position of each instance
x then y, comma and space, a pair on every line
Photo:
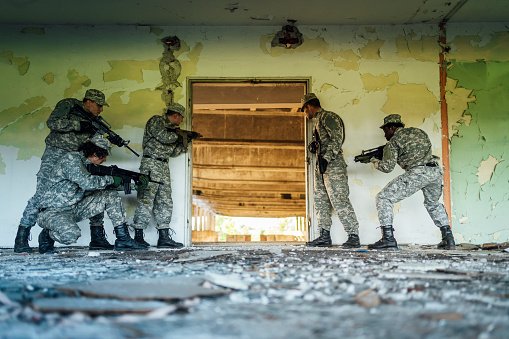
362, 73
478, 98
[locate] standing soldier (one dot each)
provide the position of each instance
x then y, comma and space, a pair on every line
410, 148
160, 142
72, 194
331, 180
67, 132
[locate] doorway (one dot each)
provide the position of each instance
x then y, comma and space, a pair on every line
250, 165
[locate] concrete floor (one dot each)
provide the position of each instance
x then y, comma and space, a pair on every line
276, 291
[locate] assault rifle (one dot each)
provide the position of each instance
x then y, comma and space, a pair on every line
126, 175
102, 126
364, 157
187, 136
322, 163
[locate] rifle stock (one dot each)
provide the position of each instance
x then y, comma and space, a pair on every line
102, 126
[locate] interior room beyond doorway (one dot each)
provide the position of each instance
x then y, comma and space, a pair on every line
249, 180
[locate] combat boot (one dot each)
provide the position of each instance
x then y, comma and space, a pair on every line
165, 240
98, 239
124, 242
21, 242
46, 244
387, 242
447, 242
323, 240
352, 242
138, 237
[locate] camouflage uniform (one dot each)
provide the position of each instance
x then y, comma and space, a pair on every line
331, 188
65, 136
72, 194
410, 148
159, 144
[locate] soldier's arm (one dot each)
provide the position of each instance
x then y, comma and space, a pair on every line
334, 127
389, 159
77, 173
156, 128
59, 120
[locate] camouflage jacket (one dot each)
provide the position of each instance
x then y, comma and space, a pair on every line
409, 147
160, 143
69, 180
65, 126
331, 132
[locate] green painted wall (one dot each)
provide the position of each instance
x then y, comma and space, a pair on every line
480, 153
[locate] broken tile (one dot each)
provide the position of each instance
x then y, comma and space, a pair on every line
141, 289
451, 316
202, 255
95, 306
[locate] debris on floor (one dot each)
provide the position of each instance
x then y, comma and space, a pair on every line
251, 291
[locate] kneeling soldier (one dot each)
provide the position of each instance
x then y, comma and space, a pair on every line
73, 195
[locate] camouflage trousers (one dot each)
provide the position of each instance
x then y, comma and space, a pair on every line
49, 158
155, 199
331, 191
424, 178
62, 222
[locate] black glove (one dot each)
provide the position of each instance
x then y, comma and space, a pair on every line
86, 127
313, 147
322, 165
193, 135
116, 140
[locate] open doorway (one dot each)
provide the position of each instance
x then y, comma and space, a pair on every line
249, 168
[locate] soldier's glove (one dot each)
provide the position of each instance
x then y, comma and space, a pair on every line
117, 181
86, 127
116, 140
142, 183
365, 159
322, 165
313, 147
192, 136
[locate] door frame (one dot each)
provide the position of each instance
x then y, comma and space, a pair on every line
188, 196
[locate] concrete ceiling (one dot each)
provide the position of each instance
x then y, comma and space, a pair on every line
249, 12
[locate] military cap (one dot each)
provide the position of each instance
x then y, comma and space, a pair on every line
176, 108
307, 97
392, 119
100, 141
96, 96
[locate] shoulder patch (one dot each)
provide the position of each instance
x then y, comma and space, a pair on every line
332, 122
387, 155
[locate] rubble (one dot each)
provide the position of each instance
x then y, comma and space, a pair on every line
255, 291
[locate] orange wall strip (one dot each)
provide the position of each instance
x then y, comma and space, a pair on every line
445, 121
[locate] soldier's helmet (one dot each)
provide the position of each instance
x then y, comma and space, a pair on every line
176, 108
100, 141
96, 96
392, 119
305, 99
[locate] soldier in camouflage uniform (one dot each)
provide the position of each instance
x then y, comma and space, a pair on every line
331, 179
72, 194
67, 132
159, 144
410, 148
